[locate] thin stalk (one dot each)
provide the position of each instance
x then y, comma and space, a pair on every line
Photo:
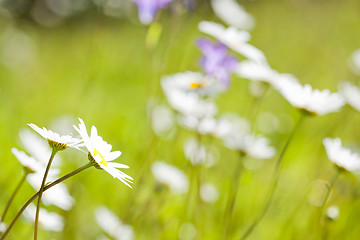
8, 204
232, 196
330, 186
53, 153
37, 194
275, 179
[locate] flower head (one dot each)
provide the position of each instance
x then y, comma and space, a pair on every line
30, 164
309, 100
56, 141
197, 153
233, 14
258, 72
333, 212
234, 39
47, 220
149, 8
99, 153
171, 176
351, 94
216, 61
209, 193
112, 225
342, 157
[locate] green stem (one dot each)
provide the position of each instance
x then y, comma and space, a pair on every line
330, 186
37, 194
232, 196
8, 204
53, 153
275, 179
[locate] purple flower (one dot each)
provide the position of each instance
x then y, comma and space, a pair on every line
216, 60
149, 8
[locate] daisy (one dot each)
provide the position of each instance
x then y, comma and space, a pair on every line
309, 100
30, 164
112, 225
233, 14
191, 82
197, 153
342, 157
171, 176
351, 94
100, 155
56, 141
47, 220
254, 71
234, 39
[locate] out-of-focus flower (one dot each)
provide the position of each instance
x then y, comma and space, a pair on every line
100, 155
2, 227
256, 71
351, 94
149, 8
309, 100
47, 220
342, 157
234, 39
162, 119
233, 14
333, 212
58, 196
197, 153
250, 145
209, 193
56, 141
171, 176
30, 164
216, 60
112, 225
185, 101
187, 231
35, 146
355, 62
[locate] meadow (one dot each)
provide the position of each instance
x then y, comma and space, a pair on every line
108, 70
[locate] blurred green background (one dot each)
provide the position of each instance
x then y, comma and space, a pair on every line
98, 67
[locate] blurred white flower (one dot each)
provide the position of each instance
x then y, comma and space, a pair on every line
209, 193
56, 141
187, 231
333, 212
2, 227
256, 71
187, 102
355, 62
343, 158
233, 14
112, 225
171, 176
351, 94
197, 153
305, 98
58, 196
250, 145
47, 220
35, 146
234, 39
30, 164
162, 119
99, 153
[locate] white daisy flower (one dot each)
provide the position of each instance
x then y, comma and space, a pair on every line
233, 14
197, 153
58, 196
112, 225
351, 94
254, 71
234, 39
209, 193
99, 153
309, 100
47, 220
250, 145
333, 212
30, 164
171, 176
192, 82
343, 158
56, 141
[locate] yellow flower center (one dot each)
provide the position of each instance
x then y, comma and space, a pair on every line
103, 161
196, 85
